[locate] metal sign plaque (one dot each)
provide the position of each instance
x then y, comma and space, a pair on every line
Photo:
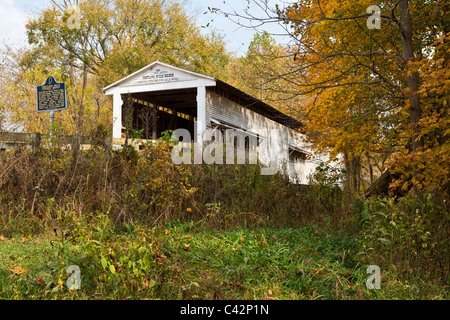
159, 75
51, 96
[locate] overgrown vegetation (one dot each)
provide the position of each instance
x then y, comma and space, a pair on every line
141, 228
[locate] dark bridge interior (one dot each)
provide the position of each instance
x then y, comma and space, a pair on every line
155, 112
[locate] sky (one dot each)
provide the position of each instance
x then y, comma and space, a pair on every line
14, 14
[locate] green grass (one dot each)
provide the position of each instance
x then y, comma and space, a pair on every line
24, 260
185, 261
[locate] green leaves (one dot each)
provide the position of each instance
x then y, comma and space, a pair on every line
141, 250
109, 265
104, 263
146, 261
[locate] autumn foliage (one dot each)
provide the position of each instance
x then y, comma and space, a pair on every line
378, 96
114, 39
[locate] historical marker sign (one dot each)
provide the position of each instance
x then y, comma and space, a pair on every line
51, 96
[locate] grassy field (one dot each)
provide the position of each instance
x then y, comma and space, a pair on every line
186, 261
139, 227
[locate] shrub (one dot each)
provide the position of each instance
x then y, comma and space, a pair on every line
410, 233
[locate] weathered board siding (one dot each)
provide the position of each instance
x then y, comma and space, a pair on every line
223, 109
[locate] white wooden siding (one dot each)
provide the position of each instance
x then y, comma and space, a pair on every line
223, 109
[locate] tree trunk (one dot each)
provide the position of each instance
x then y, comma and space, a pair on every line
370, 168
83, 97
380, 187
413, 80
79, 123
353, 169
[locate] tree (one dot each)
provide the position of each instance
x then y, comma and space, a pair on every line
113, 39
366, 86
29, 67
258, 74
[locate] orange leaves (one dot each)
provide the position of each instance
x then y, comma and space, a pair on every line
423, 168
161, 259
350, 113
40, 282
18, 270
431, 164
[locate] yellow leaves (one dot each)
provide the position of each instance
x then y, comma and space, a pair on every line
18, 271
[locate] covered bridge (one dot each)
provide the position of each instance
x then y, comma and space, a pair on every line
162, 97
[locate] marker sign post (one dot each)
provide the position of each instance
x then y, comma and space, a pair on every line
51, 97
